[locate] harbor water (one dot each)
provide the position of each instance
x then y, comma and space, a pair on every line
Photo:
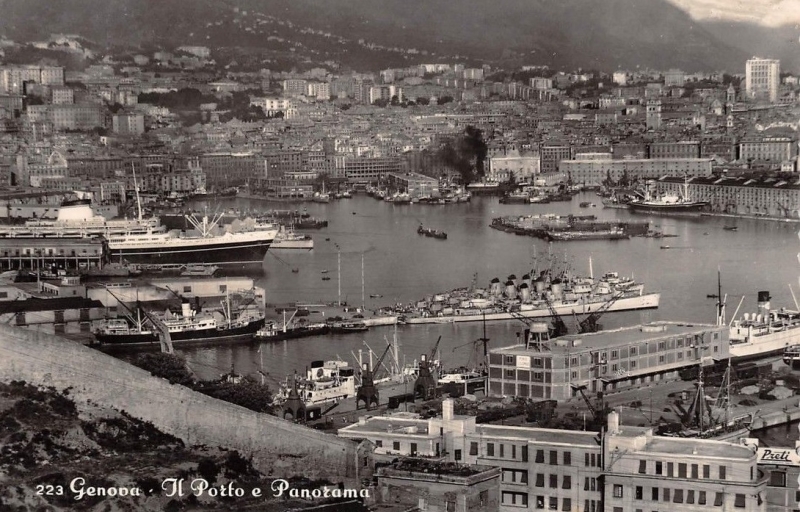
403, 266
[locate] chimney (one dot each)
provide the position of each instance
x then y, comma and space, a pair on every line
447, 409
613, 422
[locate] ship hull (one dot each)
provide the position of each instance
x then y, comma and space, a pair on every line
230, 253
293, 333
292, 245
667, 209
647, 301
245, 332
765, 345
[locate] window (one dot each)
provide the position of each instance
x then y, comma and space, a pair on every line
490, 449
553, 458
660, 359
642, 467
586, 459
739, 501
525, 453
539, 479
553, 505
670, 469
659, 467
701, 497
566, 505
515, 476
567, 458
722, 471
633, 365
666, 494
694, 471
513, 451
554, 481
639, 492
223, 288
777, 479
187, 289
414, 448
540, 502
677, 497
633, 351
396, 445
586, 484
719, 499
681, 470
473, 448
502, 450
593, 463
510, 374
706, 471
654, 494
518, 499
379, 443
690, 497
458, 454
617, 491
567, 483
540, 456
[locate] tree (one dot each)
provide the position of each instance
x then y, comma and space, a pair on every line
248, 393
395, 101
423, 101
167, 366
445, 99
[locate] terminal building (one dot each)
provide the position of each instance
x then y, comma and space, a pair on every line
603, 361
621, 469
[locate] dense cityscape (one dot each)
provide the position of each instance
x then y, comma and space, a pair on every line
180, 222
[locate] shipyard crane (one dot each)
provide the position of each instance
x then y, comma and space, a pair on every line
432, 357
598, 414
367, 391
589, 324
559, 327
474, 344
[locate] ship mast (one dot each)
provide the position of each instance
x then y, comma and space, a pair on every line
363, 306
720, 301
136, 188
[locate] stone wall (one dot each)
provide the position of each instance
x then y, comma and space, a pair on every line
278, 448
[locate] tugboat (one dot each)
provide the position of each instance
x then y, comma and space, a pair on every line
431, 233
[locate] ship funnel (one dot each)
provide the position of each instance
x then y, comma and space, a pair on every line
524, 292
511, 289
186, 309
763, 302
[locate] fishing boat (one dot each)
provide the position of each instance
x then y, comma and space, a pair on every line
730, 228
348, 327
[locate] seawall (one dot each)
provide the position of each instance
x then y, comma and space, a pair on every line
279, 448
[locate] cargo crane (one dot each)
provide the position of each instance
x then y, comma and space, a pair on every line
164, 337
474, 344
589, 324
425, 385
559, 327
367, 390
598, 414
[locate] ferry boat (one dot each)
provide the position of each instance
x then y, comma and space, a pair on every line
288, 239
185, 327
564, 294
325, 381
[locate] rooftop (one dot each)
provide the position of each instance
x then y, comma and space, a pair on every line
541, 435
699, 447
611, 338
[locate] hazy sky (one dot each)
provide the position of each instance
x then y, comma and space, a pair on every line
771, 13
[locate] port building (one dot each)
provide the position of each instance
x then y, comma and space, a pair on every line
603, 361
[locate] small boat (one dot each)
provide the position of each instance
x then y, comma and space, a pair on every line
432, 233
354, 213
712, 296
375, 296
665, 247
705, 234
585, 204
295, 270
325, 271
326, 278
730, 228
327, 239
199, 270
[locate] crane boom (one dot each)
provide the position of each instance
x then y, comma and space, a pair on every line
589, 324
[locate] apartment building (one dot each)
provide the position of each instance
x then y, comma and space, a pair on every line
552, 156
682, 149
127, 124
643, 471
228, 169
365, 170
762, 79
768, 149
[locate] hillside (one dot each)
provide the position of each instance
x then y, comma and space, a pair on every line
606, 34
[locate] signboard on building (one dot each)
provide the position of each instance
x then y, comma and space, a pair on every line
524, 362
782, 456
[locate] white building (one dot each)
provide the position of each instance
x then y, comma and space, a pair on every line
762, 79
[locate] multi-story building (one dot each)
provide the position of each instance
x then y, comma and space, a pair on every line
13, 78
385, 92
552, 156
295, 87
127, 124
608, 360
682, 149
674, 78
771, 197
10, 106
541, 84
272, 106
319, 90
594, 172
229, 169
767, 149
620, 469
83, 116
62, 95
414, 184
365, 170
31, 168
519, 167
762, 79
644, 471
781, 465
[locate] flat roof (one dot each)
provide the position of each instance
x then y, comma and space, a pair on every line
698, 447
543, 435
389, 425
607, 339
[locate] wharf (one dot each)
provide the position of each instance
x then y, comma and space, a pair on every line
320, 312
